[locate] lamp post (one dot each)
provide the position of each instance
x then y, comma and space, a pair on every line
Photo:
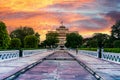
100, 50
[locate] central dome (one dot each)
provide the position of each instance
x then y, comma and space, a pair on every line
62, 26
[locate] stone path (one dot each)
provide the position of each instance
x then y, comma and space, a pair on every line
57, 70
107, 70
9, 67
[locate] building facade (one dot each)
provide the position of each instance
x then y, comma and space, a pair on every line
62, 32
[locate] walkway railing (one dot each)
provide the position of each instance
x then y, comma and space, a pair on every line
32, 52
115, 57
111, 56
14, 54
8, 55
91, 53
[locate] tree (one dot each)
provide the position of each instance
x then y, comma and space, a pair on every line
21, 33
116, 43
51, 39
108, 43
92, 43
15, 43
73, 40
30, 41
4, 37
115, 32
38, 36
100, 38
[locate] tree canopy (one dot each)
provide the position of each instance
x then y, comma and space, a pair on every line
15, 43
116, 43
73, 40
4, 37
115, 32
97, 40
100, 39
21, 33
51, 39
38, 36
30, 41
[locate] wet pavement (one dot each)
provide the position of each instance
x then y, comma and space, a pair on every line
60, 66
57, 70
10, 67
106, 69
60, 55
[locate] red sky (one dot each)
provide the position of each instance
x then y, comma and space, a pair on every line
85, 16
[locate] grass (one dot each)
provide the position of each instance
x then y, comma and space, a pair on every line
114, 50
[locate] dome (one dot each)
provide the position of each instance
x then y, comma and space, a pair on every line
62, 26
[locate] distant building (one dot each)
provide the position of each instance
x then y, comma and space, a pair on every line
62, 31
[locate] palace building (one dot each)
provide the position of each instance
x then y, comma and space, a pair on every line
62, 31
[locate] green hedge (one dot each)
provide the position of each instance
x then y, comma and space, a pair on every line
114, 50
90, 49
22, 49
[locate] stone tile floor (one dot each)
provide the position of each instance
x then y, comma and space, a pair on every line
107, 70
61, 70
9, 67
57, 70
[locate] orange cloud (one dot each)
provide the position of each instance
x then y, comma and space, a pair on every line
33, 5
26, 5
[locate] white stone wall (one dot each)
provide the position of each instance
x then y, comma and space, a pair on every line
91, 53
14, 54
114, 57
32, 52
9, 55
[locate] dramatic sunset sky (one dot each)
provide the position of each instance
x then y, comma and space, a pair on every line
85, 16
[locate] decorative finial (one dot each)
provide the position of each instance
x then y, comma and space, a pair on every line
62, 23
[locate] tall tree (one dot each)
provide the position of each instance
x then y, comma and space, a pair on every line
21, 33
100, 39
116, 43
4, 37
115, 32
38, 36
30, 41
52, 39
73, 40
15, 43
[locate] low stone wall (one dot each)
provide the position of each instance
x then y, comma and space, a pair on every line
115, 57
8, 55
91, 53
111, 56
14, 54
32, 52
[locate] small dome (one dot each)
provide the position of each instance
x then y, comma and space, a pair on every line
62, 26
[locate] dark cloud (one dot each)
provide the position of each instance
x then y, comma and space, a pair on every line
16, 15
108, 5
114, 15
92, 23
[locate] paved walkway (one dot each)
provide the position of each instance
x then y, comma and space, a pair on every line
107, 70
9, 67
55, 67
